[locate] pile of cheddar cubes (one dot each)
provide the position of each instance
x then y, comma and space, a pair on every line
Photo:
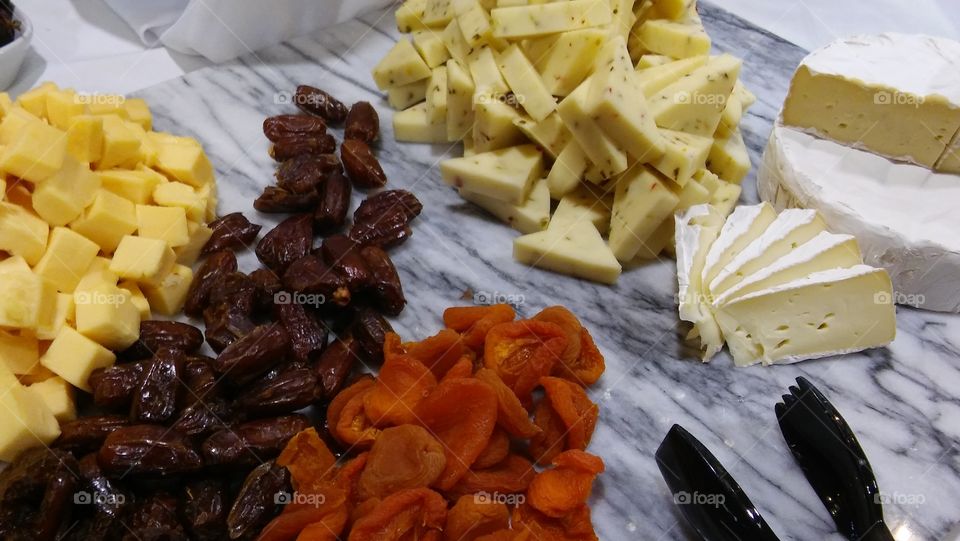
586, 124
100, 221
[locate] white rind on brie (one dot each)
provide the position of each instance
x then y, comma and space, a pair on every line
697, 229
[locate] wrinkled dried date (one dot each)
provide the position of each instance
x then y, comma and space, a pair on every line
257, 501
148, 451
290, 146
276, 200
110, 501
363, 123
254, 354
267, 284
203, 506
211, 272
334, 366
310, 275
383, 219
387, 231
252, 442
155, 399
286, 243
155, 519
229, 314
370, 330
283, 390
203, 418
317, 102
86, 434
344, 256
231, 232
306, 173
385, 281
308, 335
334, 204
113, 386
361, 165
156, 335
280, 126
199, 381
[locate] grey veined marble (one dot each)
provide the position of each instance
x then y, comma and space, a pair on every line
902, 401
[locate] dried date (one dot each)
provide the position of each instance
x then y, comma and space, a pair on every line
284, 390
276, 200
344, 256
110, 501
155, 400
363, 123
210, 273
87, 434
229, 315
203, 418
251, 443
231, 232
311, 276
308, 335
388, 202
361, 165
147, 451
280, 126
256, 504
334, 203
113, 386
286, 243
254, 354
306, 173
370, 330
156, 335
334, 366
155, 519
317, 102
267, 284
204, 506
290, 146
385, 281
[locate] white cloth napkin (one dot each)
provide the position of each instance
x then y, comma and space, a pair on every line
223, 29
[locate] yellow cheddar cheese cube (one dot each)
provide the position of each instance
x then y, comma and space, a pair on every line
19, 353
25, 299
19, 194
121, 144
68, 256
63, 311
105, 104
35, 100
39, 373
85, 138
178, 194
27, 421
62, 107
138, 111
6, 104
107, 220
98, 276
167, 296
13, 124
108, 316
36, 153
142, 259
190, 252
138, 299
22, 233
165, 223
61, 198
57, 395
136, 186
185, 162
73, 357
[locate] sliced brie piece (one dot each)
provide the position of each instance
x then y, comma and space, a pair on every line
743, 226
824, 252
791, 229
827, 313
696, 230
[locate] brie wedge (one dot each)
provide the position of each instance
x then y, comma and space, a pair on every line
697, 229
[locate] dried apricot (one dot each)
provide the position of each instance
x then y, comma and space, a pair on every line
392, 345
307, 458
522, 352
511, 476
439, 352
336, 406
565, 488
575, 409
473, 322
462, 414
348, 476
552, 438
403, 457
346, 418
571, 326
588, 367
511, 415
403, 383
408, 514
327, 507
504, 535
472, 517
463, 369
575, 526
496, 450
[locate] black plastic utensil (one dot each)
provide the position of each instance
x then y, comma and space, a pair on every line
833, 461
710, 499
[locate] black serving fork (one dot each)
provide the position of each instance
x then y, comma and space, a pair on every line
833, 461
710, 499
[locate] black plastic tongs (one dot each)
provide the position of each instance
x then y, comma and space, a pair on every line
833, 461
822, 444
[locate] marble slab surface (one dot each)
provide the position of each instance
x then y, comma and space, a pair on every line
902, 401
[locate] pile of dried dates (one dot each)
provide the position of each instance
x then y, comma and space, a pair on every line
180, 445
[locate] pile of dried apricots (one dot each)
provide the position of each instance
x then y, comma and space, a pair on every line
443, 445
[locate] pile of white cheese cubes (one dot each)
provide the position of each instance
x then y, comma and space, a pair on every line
586, 124
100, 221
778, 288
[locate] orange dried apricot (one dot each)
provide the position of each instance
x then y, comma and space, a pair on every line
353, 427
403, 457
339, 402
511, 415
576, 410
408, 514
496, 450
463, 369
439, 352
472, 517
462, 414
348, 476
403, 382
522, 352
511, 476
327, 507
473, 322
534, 525
502, 535
571, 326
588, 367
392, 345
552, 438
307, 458
566, 487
